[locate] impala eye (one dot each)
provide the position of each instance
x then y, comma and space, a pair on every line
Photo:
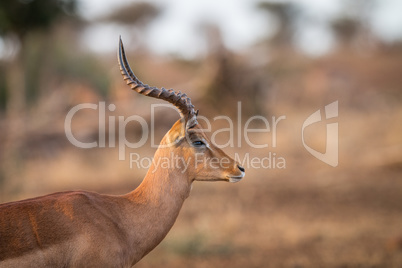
198, 143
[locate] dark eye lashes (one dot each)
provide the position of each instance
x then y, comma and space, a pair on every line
198, 143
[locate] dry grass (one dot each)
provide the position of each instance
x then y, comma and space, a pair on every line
307, 215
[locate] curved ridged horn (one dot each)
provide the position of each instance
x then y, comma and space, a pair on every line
179, 100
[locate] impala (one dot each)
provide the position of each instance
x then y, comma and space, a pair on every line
86, 229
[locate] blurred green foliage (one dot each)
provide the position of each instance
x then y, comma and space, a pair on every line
137, 13
69, 65
42, 31
21, 16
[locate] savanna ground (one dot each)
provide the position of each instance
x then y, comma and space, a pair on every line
308, 214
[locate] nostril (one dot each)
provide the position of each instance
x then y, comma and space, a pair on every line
241, 168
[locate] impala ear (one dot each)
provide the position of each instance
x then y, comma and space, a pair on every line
192, 121
176, 133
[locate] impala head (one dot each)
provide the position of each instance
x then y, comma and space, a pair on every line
193, 151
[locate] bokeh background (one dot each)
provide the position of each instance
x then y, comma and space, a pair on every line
279, 58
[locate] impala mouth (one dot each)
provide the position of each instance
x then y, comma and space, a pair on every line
234, 179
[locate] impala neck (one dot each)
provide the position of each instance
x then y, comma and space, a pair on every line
156, 203
162, 187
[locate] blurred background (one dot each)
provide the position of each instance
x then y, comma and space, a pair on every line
279, 58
